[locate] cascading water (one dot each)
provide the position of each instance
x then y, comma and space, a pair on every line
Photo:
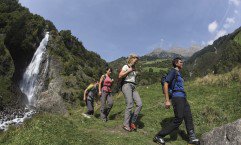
28, 86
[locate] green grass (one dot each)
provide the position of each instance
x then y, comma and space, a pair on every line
238, 38
155, 69
154, 61
211, 105
146, 65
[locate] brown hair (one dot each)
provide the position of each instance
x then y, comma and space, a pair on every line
131, 57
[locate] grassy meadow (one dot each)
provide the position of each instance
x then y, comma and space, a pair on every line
215, 100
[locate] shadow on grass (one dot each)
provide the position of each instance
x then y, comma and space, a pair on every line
112, 116
115, 116
173, 136
139, 123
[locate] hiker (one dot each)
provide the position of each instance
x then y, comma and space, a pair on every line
128, 74
105, 94
180, 105
89, 94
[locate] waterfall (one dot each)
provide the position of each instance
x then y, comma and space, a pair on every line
28, 85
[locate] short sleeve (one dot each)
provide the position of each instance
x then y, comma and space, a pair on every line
170, 76
125, 68
90, 87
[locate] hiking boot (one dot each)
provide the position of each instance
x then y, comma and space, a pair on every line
133, 127
91, 112
192, 138
126, 128
86, 115
194, 142
159, 140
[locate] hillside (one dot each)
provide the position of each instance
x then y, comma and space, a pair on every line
20, 35
220, 57
212, 99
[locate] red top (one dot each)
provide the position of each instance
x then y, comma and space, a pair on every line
107, 84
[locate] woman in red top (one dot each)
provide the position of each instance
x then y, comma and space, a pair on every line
105, 93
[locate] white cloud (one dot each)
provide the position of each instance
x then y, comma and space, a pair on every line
212, 26
220, 33
230, 20
161, 42
219, 30
226, 26
210, 42
235, 2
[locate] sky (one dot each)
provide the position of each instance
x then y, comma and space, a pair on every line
116, 28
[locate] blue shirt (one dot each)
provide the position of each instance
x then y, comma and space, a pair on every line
176, 84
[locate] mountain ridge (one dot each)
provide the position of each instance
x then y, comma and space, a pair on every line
220, 57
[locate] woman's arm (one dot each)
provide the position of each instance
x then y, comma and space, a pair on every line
100, 83
85, 92
124, 73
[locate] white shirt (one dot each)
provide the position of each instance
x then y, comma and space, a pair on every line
131, 77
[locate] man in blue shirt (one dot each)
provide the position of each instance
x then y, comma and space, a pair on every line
181, 107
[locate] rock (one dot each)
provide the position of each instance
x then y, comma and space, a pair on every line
50, 100
229, 134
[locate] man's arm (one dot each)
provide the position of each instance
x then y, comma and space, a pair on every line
167, 99
169, 79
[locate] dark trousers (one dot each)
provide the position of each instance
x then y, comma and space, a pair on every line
182, 112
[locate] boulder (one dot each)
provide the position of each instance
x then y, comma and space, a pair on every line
229, 134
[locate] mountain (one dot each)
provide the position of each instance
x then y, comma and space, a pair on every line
220, 57
186, 52
160, 53
71, 67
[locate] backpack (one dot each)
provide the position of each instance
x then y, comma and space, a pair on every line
120, 81
170, 85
